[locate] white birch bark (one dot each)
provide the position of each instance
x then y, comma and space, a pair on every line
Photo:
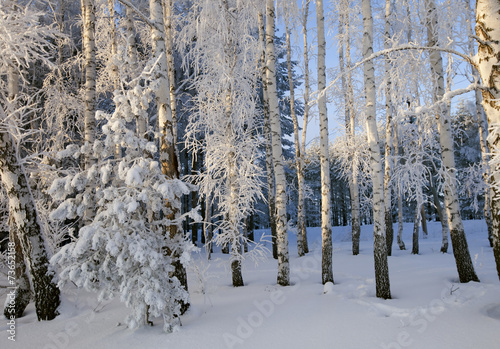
388, 134
168, 155
463, 261
299, 163
483, 131
488, 64
350, 123
89, 52
301, 220
283, 278
25, 230
271, 188
326, 211
380, 248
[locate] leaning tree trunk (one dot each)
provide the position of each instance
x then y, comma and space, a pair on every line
488, 64
380, 247
299, 163
326, 210
279, 172
271, 185
23, 213
168, 153
463, 260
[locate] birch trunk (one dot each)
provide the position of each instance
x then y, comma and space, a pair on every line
25, 230
388, 135
488, 62
350, 125
279, 172
442, 216
299, 162
168, 154
88, 15
271, 188
302, 220
168, 20
465, 267
326, 210
400, 241
380, 247
483, 133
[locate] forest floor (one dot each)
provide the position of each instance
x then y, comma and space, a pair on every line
429, 308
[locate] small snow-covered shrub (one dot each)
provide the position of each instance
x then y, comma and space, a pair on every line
125, 247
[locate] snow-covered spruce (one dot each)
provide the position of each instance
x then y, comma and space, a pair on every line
125, 249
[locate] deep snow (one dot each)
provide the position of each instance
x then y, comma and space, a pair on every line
429, 309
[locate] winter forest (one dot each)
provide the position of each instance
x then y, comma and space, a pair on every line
250, 173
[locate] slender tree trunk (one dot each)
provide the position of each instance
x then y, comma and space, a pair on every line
380, 247
416, 229
442, 216
483, 132
400, 241
298, 155
326, 208
28, 232
459, 241
424, 221
168, 154
208, 229
279, 172
271, 188
88, 15
488, 63
388, 135
301, 220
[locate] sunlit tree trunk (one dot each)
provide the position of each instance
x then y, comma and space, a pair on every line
25, 234
488, 63
326, 210
388, 134
483, 131
89, 51
279, 172
168, 154
380, 247
465, 267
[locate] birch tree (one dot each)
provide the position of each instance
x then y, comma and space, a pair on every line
88, 33
463, 260
279, 172
326, 210
380, 247
488, 37
24, 43
271, 188
224, 58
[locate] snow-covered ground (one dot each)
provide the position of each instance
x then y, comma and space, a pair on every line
429, 309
